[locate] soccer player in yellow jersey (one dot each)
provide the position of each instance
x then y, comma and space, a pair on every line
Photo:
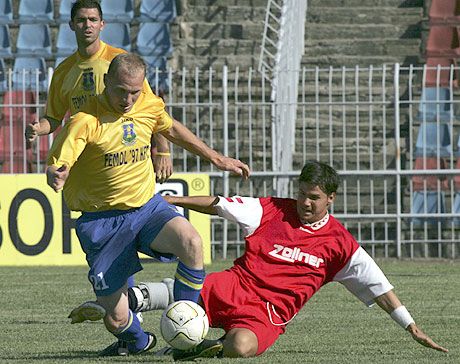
80, 77
101, 160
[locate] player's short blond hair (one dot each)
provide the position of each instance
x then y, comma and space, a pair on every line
129, 63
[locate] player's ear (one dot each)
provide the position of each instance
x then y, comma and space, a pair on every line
71, 25
331, 198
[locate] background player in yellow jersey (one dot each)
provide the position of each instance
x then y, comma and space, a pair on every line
101, 159
80, 77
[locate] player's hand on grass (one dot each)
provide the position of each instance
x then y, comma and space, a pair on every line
163, 167
234, 166
422, 338
31, 131
56, 177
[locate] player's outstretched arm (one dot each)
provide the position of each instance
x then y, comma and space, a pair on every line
203, 204
45, 126
182, 136
392, 305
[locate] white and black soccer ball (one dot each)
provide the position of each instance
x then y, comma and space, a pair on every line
184, 324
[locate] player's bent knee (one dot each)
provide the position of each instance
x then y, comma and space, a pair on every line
240, 343
192, 249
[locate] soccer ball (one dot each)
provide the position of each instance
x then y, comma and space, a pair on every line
184, 324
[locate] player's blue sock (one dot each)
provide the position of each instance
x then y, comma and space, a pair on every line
131, 281
188, 283
133, 334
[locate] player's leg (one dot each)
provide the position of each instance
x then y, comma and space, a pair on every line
112, 258
146, 296
237, 343
131, 283
124, 325
180, 238
169, 234
240, 343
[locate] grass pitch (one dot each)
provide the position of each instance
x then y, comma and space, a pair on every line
334, 327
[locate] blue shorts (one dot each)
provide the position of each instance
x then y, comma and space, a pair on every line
111, 240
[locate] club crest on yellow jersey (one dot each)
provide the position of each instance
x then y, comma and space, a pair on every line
129, 135
88, 81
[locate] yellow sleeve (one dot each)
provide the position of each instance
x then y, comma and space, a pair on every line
56, 105
71, 141
165, 122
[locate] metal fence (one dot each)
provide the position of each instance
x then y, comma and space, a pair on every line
391, 136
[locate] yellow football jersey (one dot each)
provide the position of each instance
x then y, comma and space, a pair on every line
109, 154
78, 79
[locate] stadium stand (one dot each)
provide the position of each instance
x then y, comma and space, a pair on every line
3, 77
118, 11
427, 140
157, 73
117, 35
443, 42
444, 12
28, 73
66, 43
35, 11
428, 196
435, 109
5, 41
34, 40
433, 142
58, 61
14, 158
435, 104
438, 73
162, 11
64, 10
154, 39
456, 207
6, 12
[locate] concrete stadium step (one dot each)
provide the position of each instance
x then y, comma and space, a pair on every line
226, 3
184, 59
207, 30
320, 31
221, 47
225, 14
363, 4
358, 47
338, 60
364, 15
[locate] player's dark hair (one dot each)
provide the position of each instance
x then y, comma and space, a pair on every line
85, 4
128, 62
320, 174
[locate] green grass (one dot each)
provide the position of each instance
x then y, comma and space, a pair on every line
334, 327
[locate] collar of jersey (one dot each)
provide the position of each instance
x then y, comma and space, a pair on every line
318, 224
95, 55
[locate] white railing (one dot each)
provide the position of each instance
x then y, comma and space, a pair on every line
364, 121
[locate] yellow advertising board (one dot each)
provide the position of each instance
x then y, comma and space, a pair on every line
36, 227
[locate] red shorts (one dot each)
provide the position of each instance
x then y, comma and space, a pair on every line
231, 303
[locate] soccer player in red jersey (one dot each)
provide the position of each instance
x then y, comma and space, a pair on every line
293, 247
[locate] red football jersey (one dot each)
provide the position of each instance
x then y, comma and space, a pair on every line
286, 261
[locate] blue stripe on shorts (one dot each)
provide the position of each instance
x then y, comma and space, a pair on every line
111, 240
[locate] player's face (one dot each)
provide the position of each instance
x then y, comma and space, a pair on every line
312, 203
123, 90
87, 25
